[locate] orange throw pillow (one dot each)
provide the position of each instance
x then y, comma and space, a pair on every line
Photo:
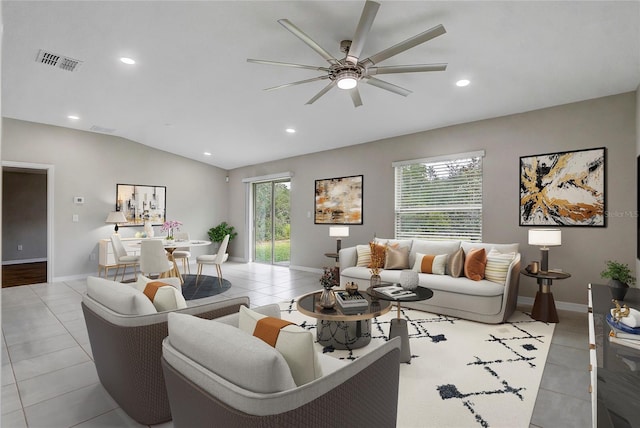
474, 264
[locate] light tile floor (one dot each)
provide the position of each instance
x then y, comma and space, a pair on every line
49, 379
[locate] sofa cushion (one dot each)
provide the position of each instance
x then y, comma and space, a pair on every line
231, 353
120, 298
164, 296
396, 258
428, 263
474, 264
397, 243
455, 264
364, 255
294, 343
432, 247
497, 266
503, 248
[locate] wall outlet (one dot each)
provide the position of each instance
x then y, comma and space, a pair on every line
19, 247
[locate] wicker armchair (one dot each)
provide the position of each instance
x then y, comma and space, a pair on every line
127, 350
362, 393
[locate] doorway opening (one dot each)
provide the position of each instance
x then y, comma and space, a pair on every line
272, 222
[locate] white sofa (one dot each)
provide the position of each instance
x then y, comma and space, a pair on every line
485, 301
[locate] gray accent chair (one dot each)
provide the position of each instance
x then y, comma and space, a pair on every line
127, 350
361, 393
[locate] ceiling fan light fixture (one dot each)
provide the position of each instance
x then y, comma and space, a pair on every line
347, 79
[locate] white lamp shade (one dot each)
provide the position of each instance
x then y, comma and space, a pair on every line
545, 237
116, 217
339, 231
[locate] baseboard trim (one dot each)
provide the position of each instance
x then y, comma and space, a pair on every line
565, 306
23, 261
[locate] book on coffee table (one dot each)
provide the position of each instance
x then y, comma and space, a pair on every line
351, 301
395, 292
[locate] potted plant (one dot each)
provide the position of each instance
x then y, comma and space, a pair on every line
217, 234
620, 278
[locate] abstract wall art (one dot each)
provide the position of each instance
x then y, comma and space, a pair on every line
339, 200
563, 189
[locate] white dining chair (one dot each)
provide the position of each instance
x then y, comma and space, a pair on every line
153, 259
122, 258
215, 259
182, 253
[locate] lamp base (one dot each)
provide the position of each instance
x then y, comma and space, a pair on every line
544, 259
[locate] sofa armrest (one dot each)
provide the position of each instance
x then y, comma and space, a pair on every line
348, 257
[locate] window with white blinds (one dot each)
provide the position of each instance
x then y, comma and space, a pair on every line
439, 198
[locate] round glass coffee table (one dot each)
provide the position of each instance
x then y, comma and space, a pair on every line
398, 327
342, 329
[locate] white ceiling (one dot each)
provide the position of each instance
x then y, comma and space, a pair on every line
192, 90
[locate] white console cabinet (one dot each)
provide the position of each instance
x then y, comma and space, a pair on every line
106, 259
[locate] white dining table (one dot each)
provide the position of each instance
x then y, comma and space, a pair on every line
171, 245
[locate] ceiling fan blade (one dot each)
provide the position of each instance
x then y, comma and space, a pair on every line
322, 92
355, 97
386, 85
300, 82
392, 69
362, 31
405, 45
308, 40
288, 64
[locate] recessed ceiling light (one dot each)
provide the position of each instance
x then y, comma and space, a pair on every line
462, 82
127, 61
207, 154
73, 117
290, 130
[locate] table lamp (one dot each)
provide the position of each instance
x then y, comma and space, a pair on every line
338, 232
545, 238
116, 217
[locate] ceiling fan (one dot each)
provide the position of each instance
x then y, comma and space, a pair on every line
347, 72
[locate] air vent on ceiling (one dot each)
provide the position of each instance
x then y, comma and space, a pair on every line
96, 128
58, 61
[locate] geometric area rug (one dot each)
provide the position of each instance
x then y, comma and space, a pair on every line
462, 373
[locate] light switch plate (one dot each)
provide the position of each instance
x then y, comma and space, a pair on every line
76, 218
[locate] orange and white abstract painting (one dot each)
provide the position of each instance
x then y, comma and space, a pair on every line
563, 189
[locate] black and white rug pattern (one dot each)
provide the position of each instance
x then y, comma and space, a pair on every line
461, 373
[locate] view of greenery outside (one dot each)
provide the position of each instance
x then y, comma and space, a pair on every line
440, 200
272, 222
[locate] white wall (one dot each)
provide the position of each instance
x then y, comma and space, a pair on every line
608, 122
90, 165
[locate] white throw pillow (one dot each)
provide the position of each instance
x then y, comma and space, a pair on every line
426, 263
497, 266
364, 255
294, 343
164, 296
118, 297
236, 356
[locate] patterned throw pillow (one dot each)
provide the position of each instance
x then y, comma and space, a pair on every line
293, 342
498, 265
455, 264
427, 263
364, 255
396, 258
474, 264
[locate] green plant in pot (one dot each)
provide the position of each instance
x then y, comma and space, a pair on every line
217, 234
620, 278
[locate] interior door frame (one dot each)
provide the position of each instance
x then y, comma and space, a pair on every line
50, 205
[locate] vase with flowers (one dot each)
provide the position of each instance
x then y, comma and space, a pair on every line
378, 254
329, 279
170, 227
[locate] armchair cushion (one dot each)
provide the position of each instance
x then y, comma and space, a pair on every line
164, 296
118, 297
294, 343
238, 357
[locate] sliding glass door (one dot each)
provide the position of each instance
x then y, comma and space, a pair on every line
271, 222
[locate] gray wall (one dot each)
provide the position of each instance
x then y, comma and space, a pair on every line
608, 122
24, 215
90, 165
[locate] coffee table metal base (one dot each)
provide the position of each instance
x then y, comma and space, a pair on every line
344, 334
399, 329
